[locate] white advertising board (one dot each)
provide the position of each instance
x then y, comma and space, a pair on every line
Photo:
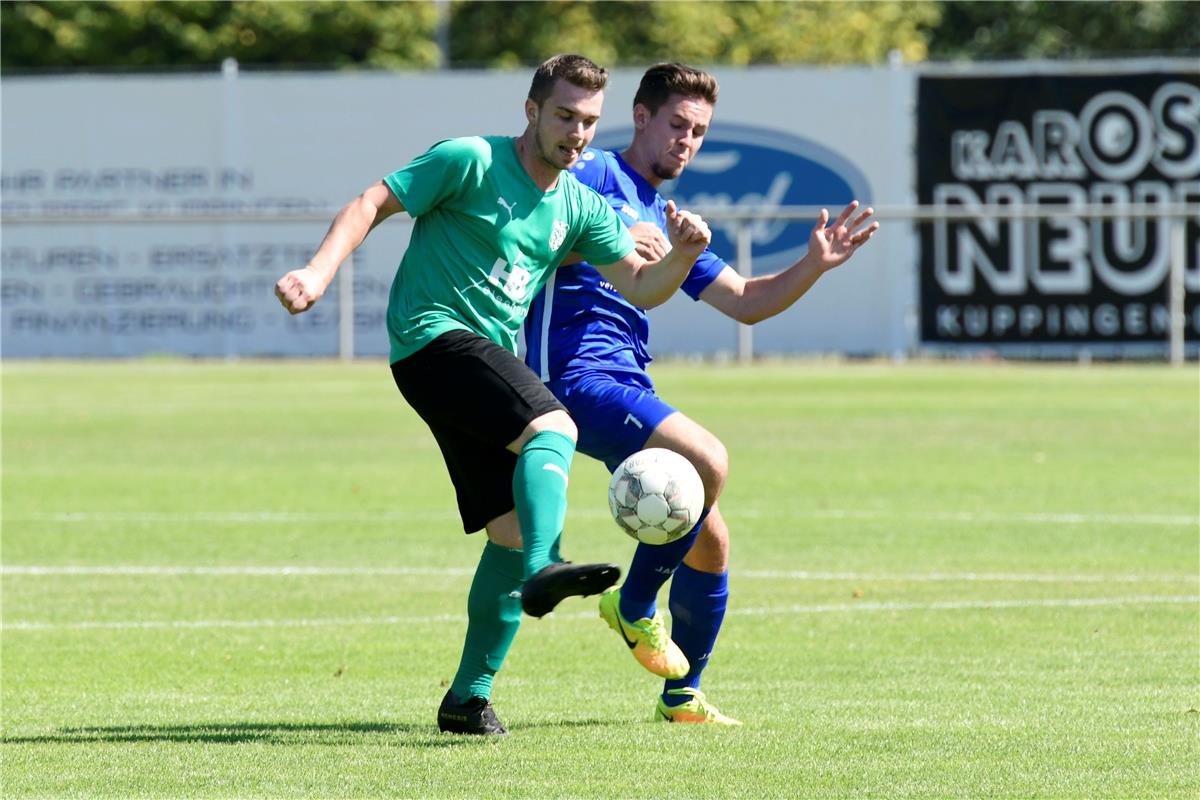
304, 144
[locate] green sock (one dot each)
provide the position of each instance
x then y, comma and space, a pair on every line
540, 494
493, 617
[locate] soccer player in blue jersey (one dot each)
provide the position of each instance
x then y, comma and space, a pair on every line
590, 347
494, 217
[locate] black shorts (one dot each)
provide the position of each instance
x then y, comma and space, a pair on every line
476, 398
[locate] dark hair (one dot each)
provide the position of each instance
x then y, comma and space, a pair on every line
663, 80
578, 70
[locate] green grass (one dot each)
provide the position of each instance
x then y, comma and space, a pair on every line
948, 581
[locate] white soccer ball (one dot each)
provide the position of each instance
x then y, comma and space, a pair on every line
656, 496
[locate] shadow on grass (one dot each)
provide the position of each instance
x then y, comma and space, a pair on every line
567, 723
289, 733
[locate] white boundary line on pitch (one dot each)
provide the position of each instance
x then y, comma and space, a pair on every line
270, 517
961, 577
296, 571
829, 608
285, 571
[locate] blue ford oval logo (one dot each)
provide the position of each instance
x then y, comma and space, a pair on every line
745, 166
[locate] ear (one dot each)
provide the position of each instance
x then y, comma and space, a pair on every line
641, 116
531, 111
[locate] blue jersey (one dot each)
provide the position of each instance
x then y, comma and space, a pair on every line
579, 322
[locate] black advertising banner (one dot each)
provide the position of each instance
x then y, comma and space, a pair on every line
1068, 140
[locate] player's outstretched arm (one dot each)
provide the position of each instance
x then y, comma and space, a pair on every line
301, 288
651, 283
829, 246
649, 242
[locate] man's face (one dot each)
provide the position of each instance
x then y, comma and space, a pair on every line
565, 123
672, 136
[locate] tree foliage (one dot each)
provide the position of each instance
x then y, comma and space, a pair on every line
1030, 29
737, 33
421, 34
150, 34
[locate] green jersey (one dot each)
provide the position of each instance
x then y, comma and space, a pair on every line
485, 241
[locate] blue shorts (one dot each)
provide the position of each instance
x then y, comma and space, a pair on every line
616, 412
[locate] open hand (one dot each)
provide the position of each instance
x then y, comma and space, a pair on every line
832, 245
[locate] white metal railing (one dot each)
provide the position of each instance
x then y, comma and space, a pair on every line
1178, 213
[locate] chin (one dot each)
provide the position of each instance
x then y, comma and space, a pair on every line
667, 173
559, 160
554, 161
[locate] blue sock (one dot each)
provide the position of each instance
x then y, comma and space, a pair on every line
698, 602
652, 565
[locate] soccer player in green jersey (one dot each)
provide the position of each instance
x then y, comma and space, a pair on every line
494, 217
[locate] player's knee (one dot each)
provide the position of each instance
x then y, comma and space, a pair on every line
558, 421
561, 422
713, 469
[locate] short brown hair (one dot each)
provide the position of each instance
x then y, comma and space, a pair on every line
663, 80
577, 70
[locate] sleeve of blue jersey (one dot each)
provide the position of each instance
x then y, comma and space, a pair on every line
706, 269
708, 264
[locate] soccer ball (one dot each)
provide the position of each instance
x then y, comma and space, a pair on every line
656, 496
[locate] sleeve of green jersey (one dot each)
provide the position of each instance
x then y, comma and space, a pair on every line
603, 239
437, 175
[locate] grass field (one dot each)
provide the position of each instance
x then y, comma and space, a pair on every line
247, 580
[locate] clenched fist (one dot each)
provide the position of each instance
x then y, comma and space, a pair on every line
300, 289
687, 231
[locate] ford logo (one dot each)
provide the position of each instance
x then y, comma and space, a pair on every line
741, 166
